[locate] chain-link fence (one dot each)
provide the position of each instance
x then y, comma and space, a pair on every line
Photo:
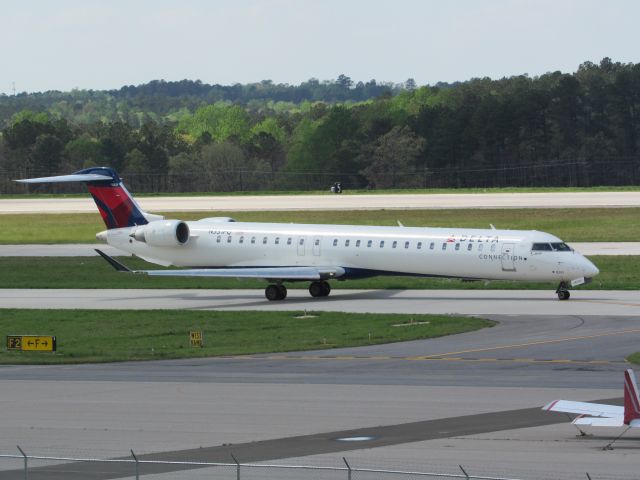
614, 172
24, 466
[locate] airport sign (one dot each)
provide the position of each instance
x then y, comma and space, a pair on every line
31, 343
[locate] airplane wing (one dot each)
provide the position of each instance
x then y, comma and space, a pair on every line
267, 273
599, 422
276, 273
585, 408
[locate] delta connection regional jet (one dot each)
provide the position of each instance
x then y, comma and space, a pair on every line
284, 252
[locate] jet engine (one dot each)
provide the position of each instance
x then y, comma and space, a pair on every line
163, 233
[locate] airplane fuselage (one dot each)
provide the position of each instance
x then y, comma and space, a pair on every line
367, 250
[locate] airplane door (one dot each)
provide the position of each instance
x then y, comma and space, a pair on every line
508, 263
316, 246
301, 247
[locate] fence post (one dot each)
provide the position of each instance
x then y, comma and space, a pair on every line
464, 471
26, 461
237, 465
137, 465
348, 468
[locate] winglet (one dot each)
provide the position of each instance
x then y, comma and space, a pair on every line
631, 397
113, 262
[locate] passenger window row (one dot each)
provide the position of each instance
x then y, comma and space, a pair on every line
418, 245
265, 240
395, 244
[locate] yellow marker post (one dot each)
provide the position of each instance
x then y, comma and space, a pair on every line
197, 338
31, 343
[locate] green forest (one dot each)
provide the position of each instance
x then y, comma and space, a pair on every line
556, 129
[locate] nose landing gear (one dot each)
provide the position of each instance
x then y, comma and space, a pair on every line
563, 291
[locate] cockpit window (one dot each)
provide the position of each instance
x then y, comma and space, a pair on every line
561, 247
551, 247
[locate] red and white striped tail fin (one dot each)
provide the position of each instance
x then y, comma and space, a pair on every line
631, 398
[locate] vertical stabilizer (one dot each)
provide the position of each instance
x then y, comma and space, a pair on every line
631, 398
116, 205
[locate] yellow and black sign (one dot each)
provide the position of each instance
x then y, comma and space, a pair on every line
197, 338
31, 343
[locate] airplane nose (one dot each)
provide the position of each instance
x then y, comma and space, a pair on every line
590, 270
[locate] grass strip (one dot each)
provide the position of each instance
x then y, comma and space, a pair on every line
572, 225
634, 358
616, 273
122, 335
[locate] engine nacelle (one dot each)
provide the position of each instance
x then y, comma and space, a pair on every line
163, 233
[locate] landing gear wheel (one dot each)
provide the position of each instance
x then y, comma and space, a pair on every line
316, 290
563, 291
275, 292
282, 291
319, 289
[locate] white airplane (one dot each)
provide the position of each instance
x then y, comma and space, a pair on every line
601, 415
282, 252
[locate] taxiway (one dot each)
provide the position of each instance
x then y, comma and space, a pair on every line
240, 203
464, 302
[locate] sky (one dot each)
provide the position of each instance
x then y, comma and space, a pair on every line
105, 44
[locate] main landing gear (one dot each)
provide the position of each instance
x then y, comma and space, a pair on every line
275, 292
279, 292
319, 289
563, 291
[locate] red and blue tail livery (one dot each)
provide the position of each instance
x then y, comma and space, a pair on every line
631, 398
117, 207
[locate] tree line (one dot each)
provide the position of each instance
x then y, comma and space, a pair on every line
564, 129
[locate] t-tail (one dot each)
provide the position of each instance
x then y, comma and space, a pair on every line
631, 399
116, 205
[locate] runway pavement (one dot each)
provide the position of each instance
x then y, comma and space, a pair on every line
271, 407
88, 249
465, 302
337, 202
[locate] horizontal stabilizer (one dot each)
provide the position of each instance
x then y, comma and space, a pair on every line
86, 177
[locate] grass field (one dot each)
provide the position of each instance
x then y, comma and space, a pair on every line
107, 336
616, 273
572, 225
